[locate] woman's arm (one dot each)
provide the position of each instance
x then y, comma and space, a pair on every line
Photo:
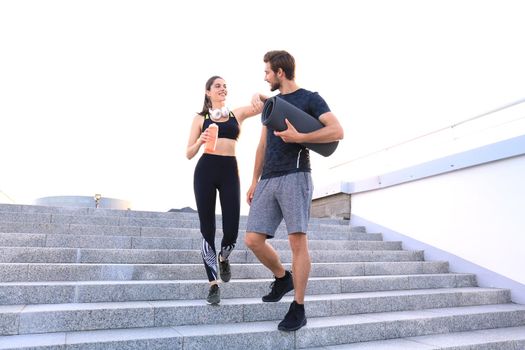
249, 111
196, 138
245, 112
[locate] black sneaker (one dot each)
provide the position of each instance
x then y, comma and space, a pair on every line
279, 288
224, 270
294, 319
214, 295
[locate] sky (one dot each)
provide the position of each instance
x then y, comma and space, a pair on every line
98, 96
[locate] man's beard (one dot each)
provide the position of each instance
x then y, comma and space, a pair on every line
275, 86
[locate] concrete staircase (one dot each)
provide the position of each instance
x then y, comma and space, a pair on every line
107, 279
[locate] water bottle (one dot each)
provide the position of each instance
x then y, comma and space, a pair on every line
213, 131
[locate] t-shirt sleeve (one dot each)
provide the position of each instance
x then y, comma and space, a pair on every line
318, 105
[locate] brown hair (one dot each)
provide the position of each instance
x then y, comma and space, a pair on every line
281, 59
207, 103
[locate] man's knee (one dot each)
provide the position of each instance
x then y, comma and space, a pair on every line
253, 240
298, 242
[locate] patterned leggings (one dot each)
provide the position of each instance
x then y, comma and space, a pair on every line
217, 173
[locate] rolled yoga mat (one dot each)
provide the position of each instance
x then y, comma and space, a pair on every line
276, 109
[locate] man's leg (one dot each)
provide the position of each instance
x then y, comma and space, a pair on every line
264, 218
264, 252
301, 264
268, 257
295, 318
295, 203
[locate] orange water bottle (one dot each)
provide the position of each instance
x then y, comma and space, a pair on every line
213, 131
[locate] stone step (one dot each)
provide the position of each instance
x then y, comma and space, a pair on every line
186, 256
319, 332
113, 279
124, 221
174, 221
512, 338
48, 318
39, 209
111, 291
135, 231
280, 234
134, 242
69, 211
14, 272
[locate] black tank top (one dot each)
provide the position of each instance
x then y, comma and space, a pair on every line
228, 129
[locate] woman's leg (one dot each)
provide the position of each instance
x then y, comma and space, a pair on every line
205, 197
230, 198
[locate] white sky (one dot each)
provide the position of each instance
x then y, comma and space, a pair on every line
98, 96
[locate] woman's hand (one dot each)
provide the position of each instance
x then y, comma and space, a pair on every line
257, 103
204, 137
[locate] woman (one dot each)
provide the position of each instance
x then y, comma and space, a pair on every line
215, 171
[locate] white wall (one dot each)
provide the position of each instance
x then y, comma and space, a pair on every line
475, 213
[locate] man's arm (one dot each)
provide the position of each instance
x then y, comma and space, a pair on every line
258, 166
332, 131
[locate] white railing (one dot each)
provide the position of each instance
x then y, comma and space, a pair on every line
3, 196
496, 125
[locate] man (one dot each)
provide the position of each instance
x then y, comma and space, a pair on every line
282, 186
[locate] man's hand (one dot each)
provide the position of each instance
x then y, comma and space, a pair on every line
290, 134
249, 194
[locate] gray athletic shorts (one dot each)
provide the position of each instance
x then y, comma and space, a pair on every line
288, 196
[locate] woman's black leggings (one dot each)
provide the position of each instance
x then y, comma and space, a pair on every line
214, 173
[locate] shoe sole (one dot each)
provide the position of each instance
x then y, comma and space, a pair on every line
284, 329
